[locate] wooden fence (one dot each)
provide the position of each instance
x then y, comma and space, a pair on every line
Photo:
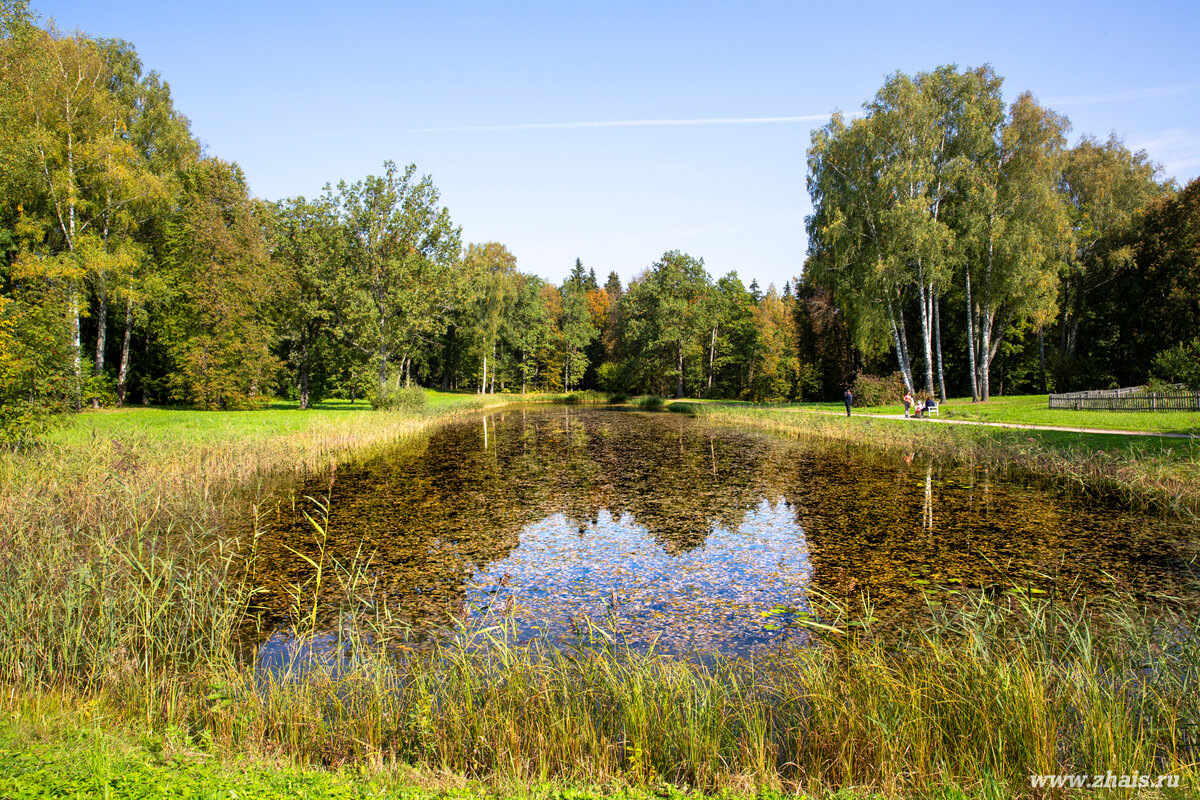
1136, 398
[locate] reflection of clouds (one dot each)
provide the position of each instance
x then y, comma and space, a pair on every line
614, 572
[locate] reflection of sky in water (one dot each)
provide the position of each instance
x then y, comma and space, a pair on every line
656, 526
612, 572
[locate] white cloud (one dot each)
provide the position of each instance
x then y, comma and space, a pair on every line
1177, 150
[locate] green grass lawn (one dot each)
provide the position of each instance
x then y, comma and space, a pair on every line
279, 419
1031, 409
57, 749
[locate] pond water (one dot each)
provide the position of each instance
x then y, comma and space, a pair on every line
669, 533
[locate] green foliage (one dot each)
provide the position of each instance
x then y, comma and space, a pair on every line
666, 314
576, 328
402, 249
1179, 364
411, 399
309, 251
876, 390
586, 397
650, 403
21, 424
221, 327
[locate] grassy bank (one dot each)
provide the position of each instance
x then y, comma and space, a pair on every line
1033, 410
1137, 471
124, 539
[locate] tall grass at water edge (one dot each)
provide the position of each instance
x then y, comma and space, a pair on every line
1146, 473
989, 693
121, 581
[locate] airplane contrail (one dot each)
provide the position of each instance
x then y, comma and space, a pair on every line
628, 123
1131, 94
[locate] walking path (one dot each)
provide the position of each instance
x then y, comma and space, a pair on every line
1009, 425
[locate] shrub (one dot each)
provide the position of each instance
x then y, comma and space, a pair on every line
21, 423
1180, 364
878, 390
410, 398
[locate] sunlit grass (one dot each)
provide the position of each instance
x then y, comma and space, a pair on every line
1135, 471
1034, 410
124, 539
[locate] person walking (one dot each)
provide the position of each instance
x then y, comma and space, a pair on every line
908, 401
848, 399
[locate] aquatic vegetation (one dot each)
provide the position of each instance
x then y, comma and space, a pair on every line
1132, 472
128, 578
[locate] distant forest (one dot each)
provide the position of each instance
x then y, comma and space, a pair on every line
957, 246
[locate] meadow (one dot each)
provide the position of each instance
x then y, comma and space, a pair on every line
125, 538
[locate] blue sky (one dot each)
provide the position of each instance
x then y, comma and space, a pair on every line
513, 107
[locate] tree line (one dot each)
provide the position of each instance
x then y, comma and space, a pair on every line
135, 267
963, 237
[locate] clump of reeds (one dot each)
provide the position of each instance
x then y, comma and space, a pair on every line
650, 403
685, 408
990, 692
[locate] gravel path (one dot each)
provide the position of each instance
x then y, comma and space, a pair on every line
1010, 425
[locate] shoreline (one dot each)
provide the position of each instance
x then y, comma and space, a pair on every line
120, 601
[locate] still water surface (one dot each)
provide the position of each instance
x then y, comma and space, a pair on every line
671, 533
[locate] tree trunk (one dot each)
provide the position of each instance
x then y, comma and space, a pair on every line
146, 360
123, 370
926, 291
937, 330
1042, 355
305, 378
679, 369
101, 330
381, 370
985, 325
524, 370
971, 338
76, 345
493, 366
901, 341
483, 382
712, 354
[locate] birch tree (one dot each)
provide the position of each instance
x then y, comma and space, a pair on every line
491, 269
1016, 231
1106, 185
850, 235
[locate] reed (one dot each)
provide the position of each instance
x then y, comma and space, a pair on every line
650, 403
121, 582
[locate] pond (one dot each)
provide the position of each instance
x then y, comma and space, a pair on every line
671, 534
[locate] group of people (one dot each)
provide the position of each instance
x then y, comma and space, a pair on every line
911, 408
917, 410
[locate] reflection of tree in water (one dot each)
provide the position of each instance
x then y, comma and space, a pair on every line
884, 527
432, 514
